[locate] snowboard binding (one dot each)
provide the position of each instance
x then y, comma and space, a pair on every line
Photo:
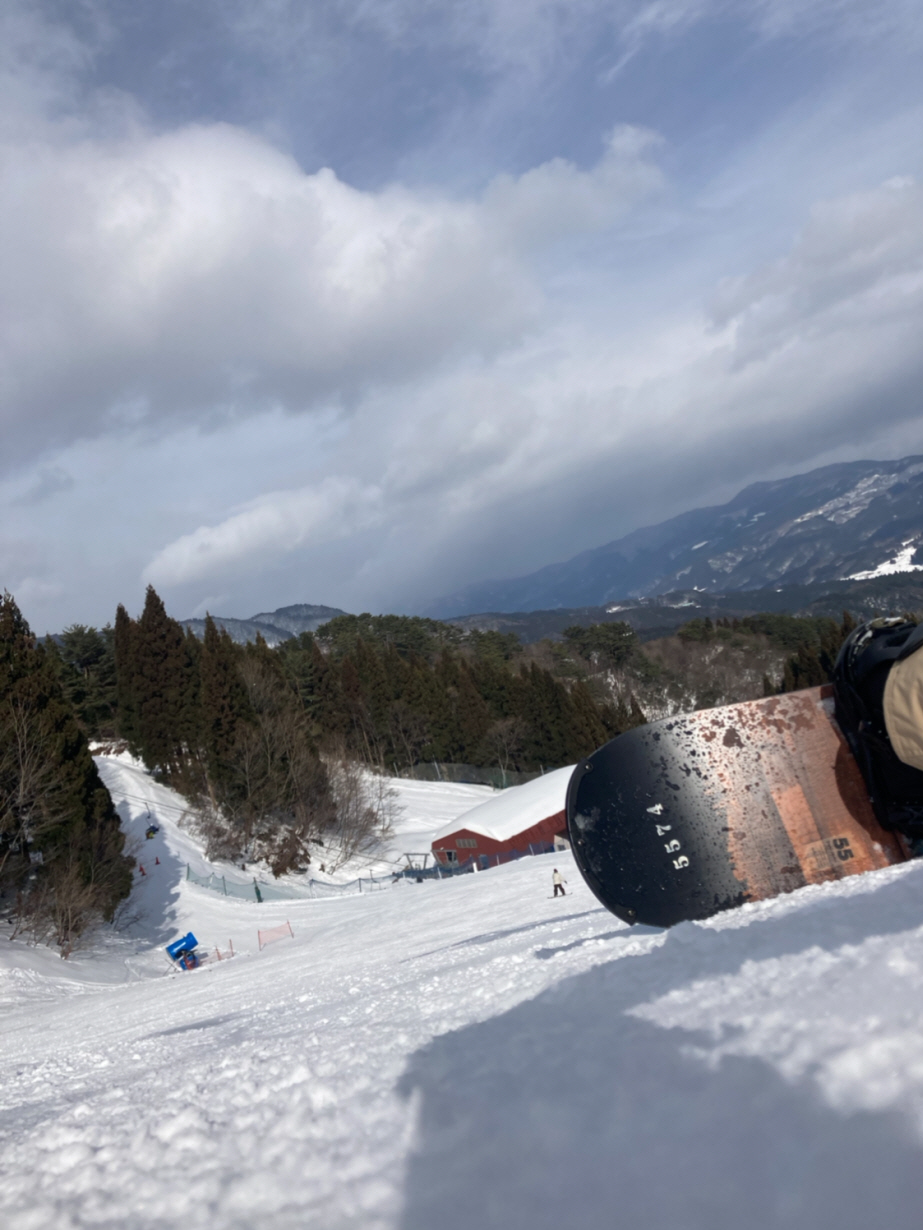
859, 680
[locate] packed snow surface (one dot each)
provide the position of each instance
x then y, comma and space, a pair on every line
509, 812
466, 1055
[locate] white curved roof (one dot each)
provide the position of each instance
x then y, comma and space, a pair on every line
514, 809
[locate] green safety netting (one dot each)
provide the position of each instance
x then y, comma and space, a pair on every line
260, 890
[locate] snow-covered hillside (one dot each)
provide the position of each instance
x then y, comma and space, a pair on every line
466, 1054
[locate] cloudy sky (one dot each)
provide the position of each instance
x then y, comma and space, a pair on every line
358, 301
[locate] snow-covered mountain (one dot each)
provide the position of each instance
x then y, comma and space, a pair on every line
859, 519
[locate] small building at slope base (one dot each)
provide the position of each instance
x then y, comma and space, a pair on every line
528, 819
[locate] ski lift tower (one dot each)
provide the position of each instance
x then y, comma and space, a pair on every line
417, 867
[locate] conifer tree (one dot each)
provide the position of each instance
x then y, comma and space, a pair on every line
497, 684
615, 718
60, 840
376, 696
547, 712
297, 662
189, 729
159, 683
587, 731
354, 706
86, 668
128, 716
223, 704
472, 717
421, 697
327, 706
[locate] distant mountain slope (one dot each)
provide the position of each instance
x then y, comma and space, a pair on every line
661, 616
301, 617
841, 521
273, 626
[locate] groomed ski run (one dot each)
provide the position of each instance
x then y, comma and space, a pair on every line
465, 1054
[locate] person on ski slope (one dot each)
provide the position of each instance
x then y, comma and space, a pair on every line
559, 882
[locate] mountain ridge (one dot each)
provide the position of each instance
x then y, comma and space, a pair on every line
851, 520
273, 626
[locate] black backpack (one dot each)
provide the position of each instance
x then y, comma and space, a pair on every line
862, 666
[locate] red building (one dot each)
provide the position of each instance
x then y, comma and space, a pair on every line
521, 820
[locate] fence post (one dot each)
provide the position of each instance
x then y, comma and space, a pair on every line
187, 872
256, 889
311, 887
224, 885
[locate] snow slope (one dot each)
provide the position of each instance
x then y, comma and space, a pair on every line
467, 1054
428, 807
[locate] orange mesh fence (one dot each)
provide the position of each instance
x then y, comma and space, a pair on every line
274, 933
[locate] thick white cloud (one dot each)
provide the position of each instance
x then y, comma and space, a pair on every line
280, 521
202, 272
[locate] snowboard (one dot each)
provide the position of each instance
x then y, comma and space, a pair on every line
691, 815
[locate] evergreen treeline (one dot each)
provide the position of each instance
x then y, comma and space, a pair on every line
61, 847
224, 725
393, 690
398, 701
813, 643
813, 662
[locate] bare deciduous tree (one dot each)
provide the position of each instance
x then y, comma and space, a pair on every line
504, 740
30, 792
365, 806
409, 730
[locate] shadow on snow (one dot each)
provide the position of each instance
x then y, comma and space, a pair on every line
567, 1112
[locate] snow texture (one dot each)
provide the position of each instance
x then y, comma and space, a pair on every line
855, 501
898, 563
510, 812
465, 1054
